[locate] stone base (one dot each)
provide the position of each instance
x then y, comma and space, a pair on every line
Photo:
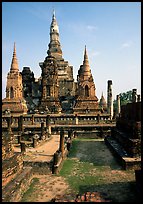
122, 156
89, 105
15, 105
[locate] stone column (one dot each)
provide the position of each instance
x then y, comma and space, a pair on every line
61, 148
23, 147
134, 95
32, 119
76, 119
20, 123
9, 124
110, 99
19, 138
42, 130
35, 140
138, 98
48, 127
118, 105
98, 118
11, 119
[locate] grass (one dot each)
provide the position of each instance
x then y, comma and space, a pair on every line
90, 166
30, 190
80, 173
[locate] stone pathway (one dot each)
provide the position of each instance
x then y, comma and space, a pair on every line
43, 152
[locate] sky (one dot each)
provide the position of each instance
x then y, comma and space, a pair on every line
111, 32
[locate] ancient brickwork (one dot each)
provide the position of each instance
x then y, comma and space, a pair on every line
14, 100
64, 70
128, 128
50, 88
87, 101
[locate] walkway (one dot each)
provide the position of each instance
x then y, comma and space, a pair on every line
42, 153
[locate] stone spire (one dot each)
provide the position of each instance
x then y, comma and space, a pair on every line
86, 67
54, 45
102, 102
14, 63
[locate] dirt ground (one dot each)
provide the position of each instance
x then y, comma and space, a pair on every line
117, 183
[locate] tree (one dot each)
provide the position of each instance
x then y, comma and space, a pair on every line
125, 97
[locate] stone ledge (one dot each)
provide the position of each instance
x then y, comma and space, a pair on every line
122, 156
14, 190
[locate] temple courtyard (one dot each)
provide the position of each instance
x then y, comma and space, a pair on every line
90, 172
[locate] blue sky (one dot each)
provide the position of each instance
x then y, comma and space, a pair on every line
111, 32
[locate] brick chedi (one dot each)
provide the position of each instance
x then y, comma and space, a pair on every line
50, 87
14, 100
102, 103
65, 71
87, 101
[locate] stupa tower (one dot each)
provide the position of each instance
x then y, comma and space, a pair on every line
14, 89
87, 101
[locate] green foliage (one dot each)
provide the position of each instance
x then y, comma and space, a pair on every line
125, 97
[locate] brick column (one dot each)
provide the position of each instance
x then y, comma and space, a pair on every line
118, 105
98, 118
61, 148
76, 119
23, 147
9, 123
134, 95
19, 138
11, 119
35, 140
110, 99
42, 130
20, 123
138, 98
48, 126
32, 119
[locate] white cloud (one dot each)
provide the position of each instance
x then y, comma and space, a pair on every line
96, 53
91, 28
82, 28
126, 44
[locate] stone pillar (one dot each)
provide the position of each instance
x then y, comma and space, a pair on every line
110, 99
11, 119
76, 119
32, 119
19, 139
34, 142
42, 130
55, 162
20, 123
61, 148
98, 118
23, 147
118, 105
48, 127
138, 98
9, 124
134, 95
